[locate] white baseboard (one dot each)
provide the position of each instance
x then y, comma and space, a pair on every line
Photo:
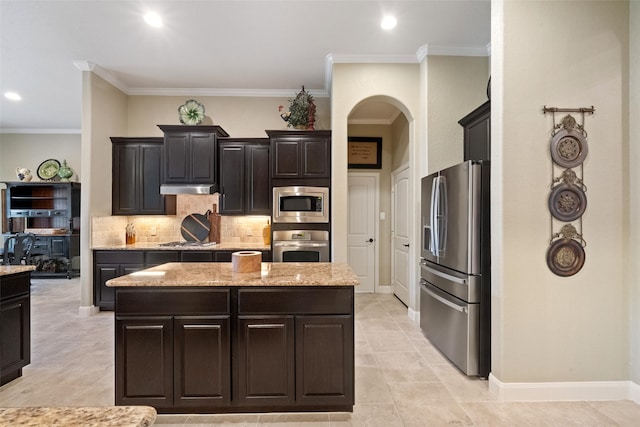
384, 289
88, 310
414, 315
564, 391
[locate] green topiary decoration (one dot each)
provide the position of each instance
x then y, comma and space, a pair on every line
302, 111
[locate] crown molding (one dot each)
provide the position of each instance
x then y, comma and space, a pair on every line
42, 131
435, 50
260, 93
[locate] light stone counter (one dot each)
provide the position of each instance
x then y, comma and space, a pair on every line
146, 246
6, 270
108, 416
221, 274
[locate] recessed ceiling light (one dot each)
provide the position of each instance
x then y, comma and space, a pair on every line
12, 96
388, 22
153, 19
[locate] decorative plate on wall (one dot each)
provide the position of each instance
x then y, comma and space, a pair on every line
568, 148
565, 257
567, 202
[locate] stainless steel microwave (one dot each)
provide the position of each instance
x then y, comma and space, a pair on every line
301, 204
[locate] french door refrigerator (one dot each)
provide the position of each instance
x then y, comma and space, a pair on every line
455, 264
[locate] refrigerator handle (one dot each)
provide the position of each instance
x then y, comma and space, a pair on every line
433, 217
445, 276
443, 213
438, 298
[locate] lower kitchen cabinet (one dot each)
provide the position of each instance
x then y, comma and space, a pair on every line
266, 364
15, 323
237, 349
108, 265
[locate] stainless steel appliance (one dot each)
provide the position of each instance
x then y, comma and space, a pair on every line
301, 246
300, 205
455, 265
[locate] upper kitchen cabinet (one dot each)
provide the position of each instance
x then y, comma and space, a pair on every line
301, 155
137, 176
477, 133
245, 186
190, 154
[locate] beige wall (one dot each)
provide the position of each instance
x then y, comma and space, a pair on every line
634, 192
29, 150
564, 54
456, 86
239, 116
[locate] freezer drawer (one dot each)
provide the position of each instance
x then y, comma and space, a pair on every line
451, 325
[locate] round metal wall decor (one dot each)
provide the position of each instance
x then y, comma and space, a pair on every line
565, 257
569, 148
567, 202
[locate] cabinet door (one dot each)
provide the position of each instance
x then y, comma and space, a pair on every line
203, 158
222, 256
104, 296
202, 361
232, 176
151, 202
144, 361
286, 157
266, 366
324, 360
196, 256
15, 339
315, 158
125, 178
258, 185
59, 247
177, 153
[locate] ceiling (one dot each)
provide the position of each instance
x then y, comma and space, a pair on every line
212, 47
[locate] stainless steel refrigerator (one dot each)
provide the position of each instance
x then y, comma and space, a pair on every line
455, 265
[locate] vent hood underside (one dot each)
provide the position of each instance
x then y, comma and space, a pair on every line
188, 189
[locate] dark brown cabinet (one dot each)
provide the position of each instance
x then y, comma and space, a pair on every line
137, 175
15, 323
169, 352
108, 265
245, 185
37, 207
477, 133
238, 349
300, 154
266, 361
190, 154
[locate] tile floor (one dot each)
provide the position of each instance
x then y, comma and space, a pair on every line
401, 380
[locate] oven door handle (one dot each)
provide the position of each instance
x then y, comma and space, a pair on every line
300, 245
456, 307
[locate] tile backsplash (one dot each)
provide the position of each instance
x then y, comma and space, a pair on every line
110, 230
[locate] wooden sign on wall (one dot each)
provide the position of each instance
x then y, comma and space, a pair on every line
364, 152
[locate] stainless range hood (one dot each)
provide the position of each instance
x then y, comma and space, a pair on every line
188, 189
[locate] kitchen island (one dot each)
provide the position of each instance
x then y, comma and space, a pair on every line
15, 319
198, 337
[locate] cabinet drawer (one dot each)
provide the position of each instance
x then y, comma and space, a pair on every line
295, 300
119, 257
188, 301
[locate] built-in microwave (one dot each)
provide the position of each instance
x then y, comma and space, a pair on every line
301, 204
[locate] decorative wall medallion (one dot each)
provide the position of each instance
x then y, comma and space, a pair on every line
568, 201
569, 146
191, 113
565, 256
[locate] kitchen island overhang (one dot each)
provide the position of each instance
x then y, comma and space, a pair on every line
199, 338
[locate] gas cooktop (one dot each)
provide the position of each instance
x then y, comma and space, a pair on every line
185, 243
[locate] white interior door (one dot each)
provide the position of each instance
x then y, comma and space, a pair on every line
400, 234
361, 229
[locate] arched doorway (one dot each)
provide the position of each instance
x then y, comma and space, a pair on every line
377, 213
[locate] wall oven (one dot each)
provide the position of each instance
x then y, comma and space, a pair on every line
301, 246
300, 205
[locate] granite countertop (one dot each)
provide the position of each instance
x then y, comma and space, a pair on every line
221, 274
107, 416
6, 270
146, 246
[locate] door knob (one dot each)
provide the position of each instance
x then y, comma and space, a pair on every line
406, 245
370, 240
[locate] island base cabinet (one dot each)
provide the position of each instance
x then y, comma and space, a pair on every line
173, 362
201, 361
324, 373
144, 361
266, 361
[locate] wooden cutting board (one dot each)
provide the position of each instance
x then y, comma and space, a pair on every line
195, 227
